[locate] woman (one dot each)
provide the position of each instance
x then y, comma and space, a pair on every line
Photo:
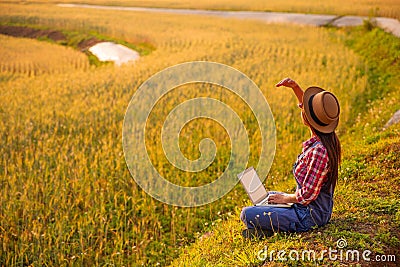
315, 171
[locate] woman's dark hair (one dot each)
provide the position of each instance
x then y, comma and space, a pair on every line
332, 144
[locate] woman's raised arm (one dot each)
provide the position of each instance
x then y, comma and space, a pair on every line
287, 82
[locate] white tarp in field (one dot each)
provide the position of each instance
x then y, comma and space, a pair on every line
119, 54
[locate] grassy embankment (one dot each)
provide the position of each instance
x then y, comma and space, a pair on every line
67, 197
367, 202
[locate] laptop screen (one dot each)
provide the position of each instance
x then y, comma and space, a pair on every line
253, 186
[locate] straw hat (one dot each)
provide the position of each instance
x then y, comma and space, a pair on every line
322, 109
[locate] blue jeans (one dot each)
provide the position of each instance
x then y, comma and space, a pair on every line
295, 219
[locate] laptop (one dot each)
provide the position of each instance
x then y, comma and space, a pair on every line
256, 190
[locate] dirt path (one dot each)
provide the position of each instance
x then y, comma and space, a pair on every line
388, 24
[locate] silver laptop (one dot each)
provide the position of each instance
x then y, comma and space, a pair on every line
256, 190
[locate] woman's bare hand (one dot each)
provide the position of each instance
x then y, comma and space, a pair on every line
287, 82
282, 198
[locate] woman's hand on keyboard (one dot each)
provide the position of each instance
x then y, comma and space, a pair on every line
282, 198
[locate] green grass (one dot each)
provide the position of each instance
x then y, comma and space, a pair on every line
367, 202
381, 66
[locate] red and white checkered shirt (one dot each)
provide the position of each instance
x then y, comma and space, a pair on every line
311, 170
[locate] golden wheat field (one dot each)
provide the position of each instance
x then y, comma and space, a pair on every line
25, 56
67, 198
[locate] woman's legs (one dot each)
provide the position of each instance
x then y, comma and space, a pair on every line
270, 218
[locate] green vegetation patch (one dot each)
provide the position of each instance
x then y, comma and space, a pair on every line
381, 54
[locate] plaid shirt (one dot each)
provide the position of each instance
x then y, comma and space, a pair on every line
311, 170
